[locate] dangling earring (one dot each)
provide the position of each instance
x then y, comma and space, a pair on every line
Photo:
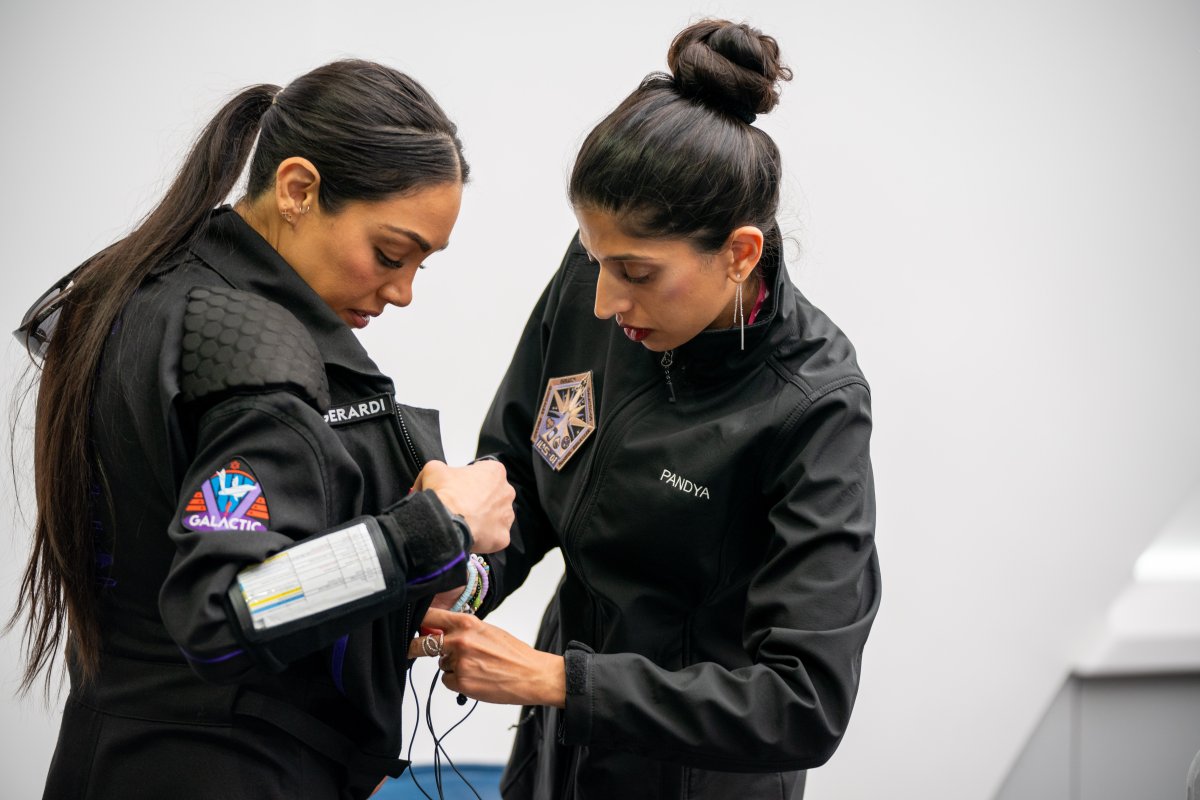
740, 313
287, 216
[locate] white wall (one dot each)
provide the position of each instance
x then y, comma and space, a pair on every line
997, 201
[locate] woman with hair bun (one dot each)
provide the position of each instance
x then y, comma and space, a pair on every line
239, 527
703, 464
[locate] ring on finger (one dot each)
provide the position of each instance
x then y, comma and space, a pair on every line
431, 645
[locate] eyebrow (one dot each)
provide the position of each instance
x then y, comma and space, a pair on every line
631, 257
623, 257
421, 241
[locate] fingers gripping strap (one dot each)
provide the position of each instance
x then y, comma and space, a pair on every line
235, 340
319, 579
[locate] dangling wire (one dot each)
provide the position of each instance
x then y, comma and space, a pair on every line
438, 750
416, 722
438, 746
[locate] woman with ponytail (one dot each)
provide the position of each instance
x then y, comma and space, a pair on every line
703, 464
239, 526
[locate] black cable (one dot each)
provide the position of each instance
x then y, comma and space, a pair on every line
437, 761
416, 723
438, 749
438, 745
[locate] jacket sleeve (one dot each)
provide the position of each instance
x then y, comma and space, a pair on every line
809, 608
274, 557
506, 434
307, 491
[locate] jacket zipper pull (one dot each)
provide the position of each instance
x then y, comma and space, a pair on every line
667, 360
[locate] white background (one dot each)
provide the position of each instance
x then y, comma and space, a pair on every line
997, 201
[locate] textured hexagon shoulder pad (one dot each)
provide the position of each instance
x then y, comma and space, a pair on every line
238, 341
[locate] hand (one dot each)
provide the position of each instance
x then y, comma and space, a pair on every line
489, 664
446, 600
480, 493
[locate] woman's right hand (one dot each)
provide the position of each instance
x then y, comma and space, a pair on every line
480, 493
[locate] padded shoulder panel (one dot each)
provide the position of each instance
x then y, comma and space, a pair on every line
238, 341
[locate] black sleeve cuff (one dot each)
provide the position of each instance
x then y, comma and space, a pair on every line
575, 727
431, 549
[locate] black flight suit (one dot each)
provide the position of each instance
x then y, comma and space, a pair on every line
236, 415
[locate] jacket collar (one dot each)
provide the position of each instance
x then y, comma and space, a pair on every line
719, 351
236, 252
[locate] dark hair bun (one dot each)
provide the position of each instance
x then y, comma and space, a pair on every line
728, 66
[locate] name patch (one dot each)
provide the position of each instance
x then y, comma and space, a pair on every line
684, 485
230, 500
359, 410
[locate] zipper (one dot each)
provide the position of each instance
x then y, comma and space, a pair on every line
588, 491
588, 485
418, 462
667, 360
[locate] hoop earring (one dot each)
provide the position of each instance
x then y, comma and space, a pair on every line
740, 313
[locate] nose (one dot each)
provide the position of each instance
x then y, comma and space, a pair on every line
611, 297
398, 292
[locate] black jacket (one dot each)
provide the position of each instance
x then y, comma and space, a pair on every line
185, 705
721, 575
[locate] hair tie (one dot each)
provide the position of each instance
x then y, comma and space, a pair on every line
745, 115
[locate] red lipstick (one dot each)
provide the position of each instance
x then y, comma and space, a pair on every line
635, 334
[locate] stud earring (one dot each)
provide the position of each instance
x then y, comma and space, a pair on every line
287, 216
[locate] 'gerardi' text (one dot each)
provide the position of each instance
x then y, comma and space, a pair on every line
367, 408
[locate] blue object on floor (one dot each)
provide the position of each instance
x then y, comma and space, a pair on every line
484, 777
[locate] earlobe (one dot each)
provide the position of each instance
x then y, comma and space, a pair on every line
745, 247
297, 185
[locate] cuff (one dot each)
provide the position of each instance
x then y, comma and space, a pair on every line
430, 547
575, 727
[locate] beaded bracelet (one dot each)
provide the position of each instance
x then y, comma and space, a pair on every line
484, 570
461, 604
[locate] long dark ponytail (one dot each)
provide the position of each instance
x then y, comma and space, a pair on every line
371, 132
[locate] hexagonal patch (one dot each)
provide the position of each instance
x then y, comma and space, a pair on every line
566, 420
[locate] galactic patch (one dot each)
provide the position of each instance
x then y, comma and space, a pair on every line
566, 420
230, 500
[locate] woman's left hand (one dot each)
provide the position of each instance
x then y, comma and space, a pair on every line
489, 664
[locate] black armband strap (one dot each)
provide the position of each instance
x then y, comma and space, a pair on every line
306, 596
325, 578
235, 340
